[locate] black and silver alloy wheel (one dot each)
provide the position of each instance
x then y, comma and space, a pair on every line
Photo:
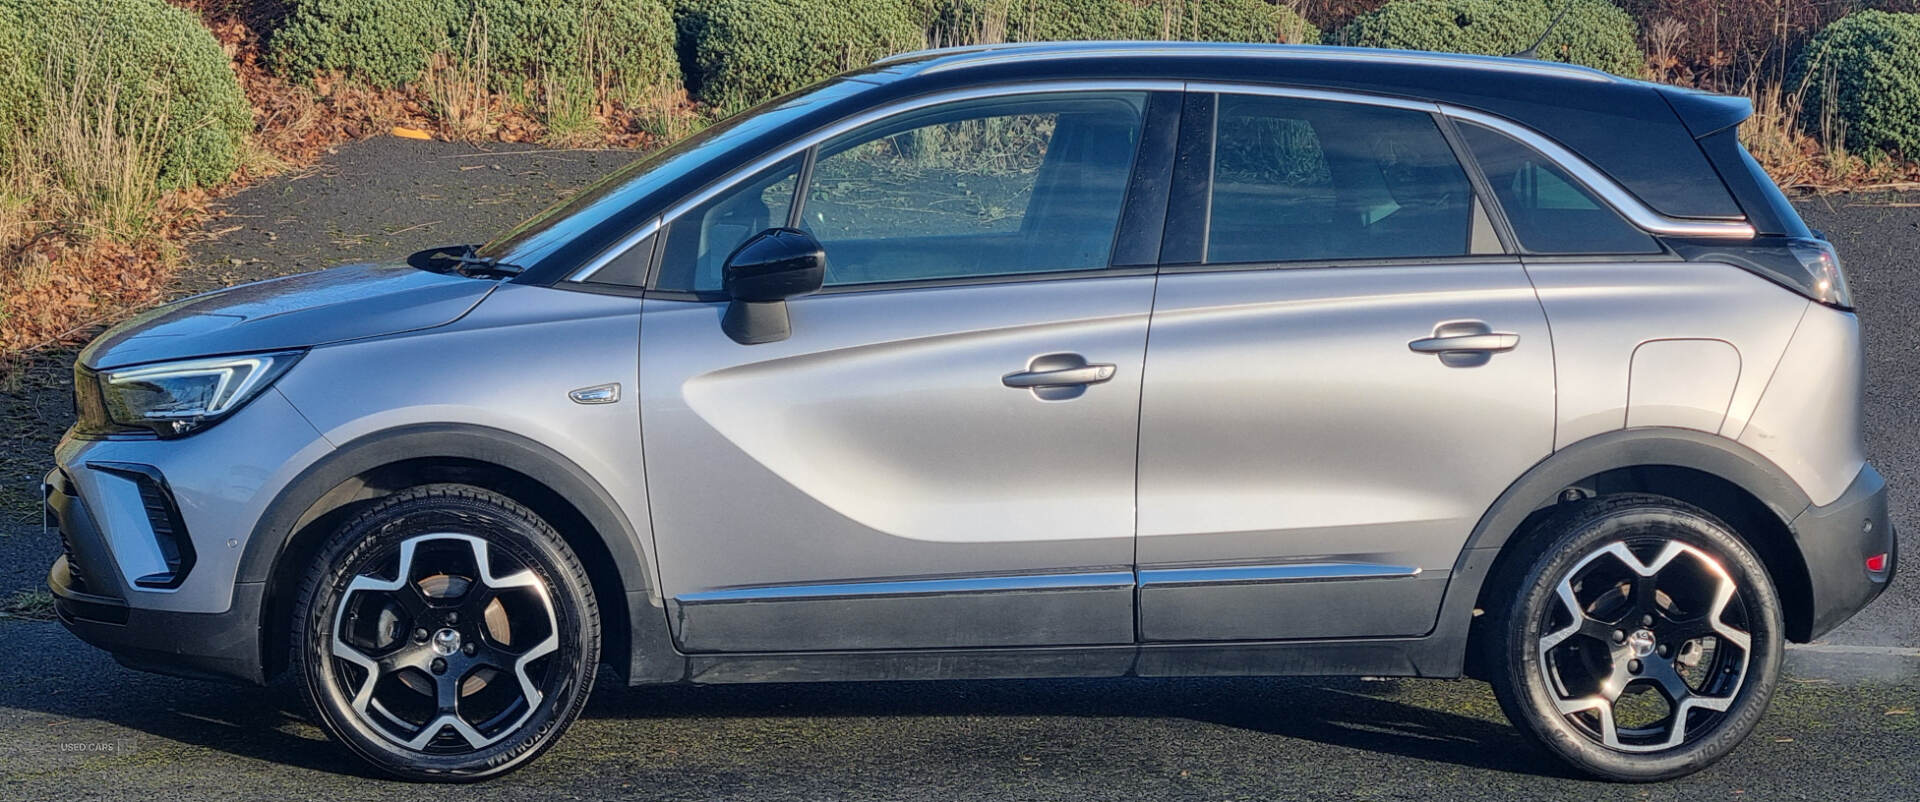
1640, 651
1642, 639
447, 633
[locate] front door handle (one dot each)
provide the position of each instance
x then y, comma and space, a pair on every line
1058, 377
1465, 343
1491, 342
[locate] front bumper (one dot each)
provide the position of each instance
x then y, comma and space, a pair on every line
153, 532
90, 601
1836, 541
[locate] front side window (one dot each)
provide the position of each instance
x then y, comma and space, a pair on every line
1316, 180
993, 187
978, 188
1549, 210
700, 240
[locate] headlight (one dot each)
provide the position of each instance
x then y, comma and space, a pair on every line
173, 399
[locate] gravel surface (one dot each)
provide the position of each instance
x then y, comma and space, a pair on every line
74, 725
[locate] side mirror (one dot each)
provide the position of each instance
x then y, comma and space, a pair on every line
761, 274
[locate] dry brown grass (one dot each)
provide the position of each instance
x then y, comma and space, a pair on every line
1815, 160
81, 210
459, 86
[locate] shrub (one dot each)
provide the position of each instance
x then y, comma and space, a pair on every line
988, 21
1233, 21
738, 52
1864, 72
1593, 32
622, 46
139, 77
741, 52
386, 43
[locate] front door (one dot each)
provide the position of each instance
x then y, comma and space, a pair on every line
941, 454
1342, 377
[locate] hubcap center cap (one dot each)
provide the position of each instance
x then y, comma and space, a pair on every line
1642, 642
446, 642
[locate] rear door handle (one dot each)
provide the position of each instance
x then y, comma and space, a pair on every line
1465, 343
1058, 377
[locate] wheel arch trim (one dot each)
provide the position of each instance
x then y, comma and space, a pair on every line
1650, 446
294, 507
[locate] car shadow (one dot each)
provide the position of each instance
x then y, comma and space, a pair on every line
1451, 722
1438, 721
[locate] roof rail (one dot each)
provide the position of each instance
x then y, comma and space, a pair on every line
949, 58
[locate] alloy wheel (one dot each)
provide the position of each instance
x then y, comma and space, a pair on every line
445, 645
1647, 644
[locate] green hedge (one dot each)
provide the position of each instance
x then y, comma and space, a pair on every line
740, 52
159, 68
1873, 62
388, 43
961, 21
1232, 21
1595, 33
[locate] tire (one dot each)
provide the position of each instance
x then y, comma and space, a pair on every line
512, 634
1546, 665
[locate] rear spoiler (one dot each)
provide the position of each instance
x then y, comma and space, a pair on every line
1704, 113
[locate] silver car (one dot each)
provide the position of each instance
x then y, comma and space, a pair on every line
1042, 360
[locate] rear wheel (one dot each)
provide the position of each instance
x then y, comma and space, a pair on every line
1641, 640
447, 633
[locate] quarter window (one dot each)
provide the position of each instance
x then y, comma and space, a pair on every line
1549, 210
1316, 180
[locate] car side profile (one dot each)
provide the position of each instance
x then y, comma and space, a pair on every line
1044, 360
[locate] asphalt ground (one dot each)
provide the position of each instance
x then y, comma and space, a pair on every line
74, 725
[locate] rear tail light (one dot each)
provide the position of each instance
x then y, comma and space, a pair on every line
1825, 282
1877, 563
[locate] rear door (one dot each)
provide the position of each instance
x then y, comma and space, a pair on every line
942, 454
1345, 369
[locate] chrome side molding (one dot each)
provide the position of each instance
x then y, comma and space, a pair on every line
1257, 574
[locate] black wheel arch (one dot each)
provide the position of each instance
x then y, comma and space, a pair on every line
636, 639
1735, 483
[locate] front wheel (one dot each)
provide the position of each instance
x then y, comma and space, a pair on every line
1641, 639
446, 633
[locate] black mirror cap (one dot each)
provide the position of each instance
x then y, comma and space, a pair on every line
774, 265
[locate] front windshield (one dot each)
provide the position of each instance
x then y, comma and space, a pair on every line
534, 240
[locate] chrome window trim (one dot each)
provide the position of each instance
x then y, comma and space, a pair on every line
1610, 192
1289, 572
981, 55
1301, 93
917, 587
615, 250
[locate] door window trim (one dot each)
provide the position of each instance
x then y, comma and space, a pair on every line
809, 144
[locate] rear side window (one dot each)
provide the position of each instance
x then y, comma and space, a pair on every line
1316, 180
1549, 210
